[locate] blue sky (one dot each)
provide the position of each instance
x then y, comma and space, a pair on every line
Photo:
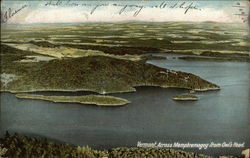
37, 12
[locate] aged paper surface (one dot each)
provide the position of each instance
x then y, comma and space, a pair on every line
155, 75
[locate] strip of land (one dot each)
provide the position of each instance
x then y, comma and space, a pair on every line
89, 99
215, 59
186, 97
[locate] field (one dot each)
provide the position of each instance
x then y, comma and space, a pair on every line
134, 38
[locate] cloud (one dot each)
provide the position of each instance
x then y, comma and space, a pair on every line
59, 15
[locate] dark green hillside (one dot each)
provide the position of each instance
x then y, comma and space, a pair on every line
97, 73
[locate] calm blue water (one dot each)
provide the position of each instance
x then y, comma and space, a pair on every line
219, 116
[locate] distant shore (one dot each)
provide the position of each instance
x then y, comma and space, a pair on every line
215, 59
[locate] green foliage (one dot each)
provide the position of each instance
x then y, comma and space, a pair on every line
2, 151
152, 153
24, 147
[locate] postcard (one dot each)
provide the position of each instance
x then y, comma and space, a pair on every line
124, 79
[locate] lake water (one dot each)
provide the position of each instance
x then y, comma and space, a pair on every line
219, 116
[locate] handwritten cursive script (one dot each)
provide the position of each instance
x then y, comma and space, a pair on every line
186, 6
6, 15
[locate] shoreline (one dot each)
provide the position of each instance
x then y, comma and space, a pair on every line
115, 92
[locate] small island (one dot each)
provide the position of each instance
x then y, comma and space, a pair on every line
99, 100
186, 97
